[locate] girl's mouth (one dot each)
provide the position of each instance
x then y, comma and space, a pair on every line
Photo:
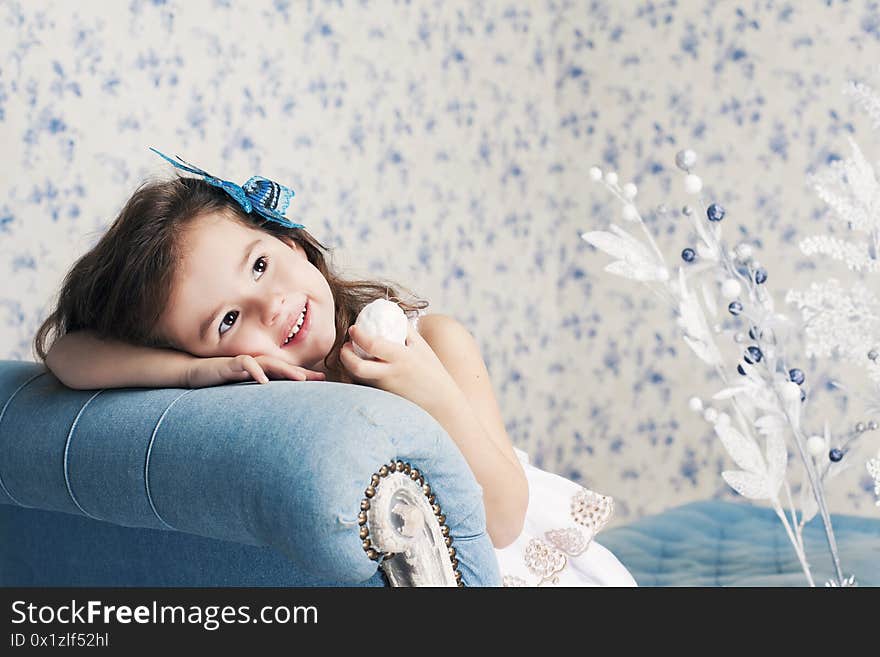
304, 326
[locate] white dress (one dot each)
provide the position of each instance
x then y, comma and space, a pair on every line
557, 546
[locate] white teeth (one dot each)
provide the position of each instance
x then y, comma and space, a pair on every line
297, 326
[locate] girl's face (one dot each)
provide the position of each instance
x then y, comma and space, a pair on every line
240, 290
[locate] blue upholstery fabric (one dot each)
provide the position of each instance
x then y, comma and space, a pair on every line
242, 484
715, 543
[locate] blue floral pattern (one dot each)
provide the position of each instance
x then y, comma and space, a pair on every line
446, 146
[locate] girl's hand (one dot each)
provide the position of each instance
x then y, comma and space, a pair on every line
412, 371
204, 372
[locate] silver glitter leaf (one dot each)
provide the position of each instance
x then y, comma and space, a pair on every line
635, 260
693, 321
644, 273
744, 451
772, 423
747, 484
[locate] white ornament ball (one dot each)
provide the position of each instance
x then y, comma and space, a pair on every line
630, 213
595, 174
611, 178
710, 415
383, 319
695, 404
723, 419
816, 445
630, 191
693, 184
744, 251
730, 288
686, 159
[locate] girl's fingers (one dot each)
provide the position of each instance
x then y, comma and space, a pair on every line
285, 371
412, 335
361, 368
296, 373
303, 374
312, 375
377, 347
254, 369
260, 369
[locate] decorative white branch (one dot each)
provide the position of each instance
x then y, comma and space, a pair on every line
835, 320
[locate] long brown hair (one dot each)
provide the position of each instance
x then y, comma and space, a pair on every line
120, 288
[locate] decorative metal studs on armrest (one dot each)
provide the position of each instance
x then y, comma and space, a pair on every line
403, 527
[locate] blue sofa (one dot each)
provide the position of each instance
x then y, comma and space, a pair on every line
266, 485
720, 543
237, 485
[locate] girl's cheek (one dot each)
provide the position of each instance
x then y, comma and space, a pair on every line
238, 345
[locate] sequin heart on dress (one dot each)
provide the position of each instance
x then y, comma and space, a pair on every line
570, 540
513, 581
591, 510
544, 561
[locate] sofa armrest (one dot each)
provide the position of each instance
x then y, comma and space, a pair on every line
284, 464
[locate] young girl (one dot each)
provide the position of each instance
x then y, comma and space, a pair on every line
200, 282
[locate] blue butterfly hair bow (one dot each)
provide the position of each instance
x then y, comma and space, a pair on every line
264, 196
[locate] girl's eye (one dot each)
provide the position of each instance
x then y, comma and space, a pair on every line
234, 313
265, 259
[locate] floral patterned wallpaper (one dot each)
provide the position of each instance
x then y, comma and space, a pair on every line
446, 146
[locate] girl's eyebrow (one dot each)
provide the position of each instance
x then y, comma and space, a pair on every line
203, 328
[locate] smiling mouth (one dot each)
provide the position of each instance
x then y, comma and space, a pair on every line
298, 331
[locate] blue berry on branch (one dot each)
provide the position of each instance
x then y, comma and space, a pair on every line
715, 212
753, 355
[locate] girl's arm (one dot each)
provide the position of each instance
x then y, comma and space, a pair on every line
470, 415
83, 361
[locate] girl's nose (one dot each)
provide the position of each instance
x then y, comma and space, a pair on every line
273, 310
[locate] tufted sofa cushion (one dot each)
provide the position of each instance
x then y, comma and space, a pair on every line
152, 473
716, 543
